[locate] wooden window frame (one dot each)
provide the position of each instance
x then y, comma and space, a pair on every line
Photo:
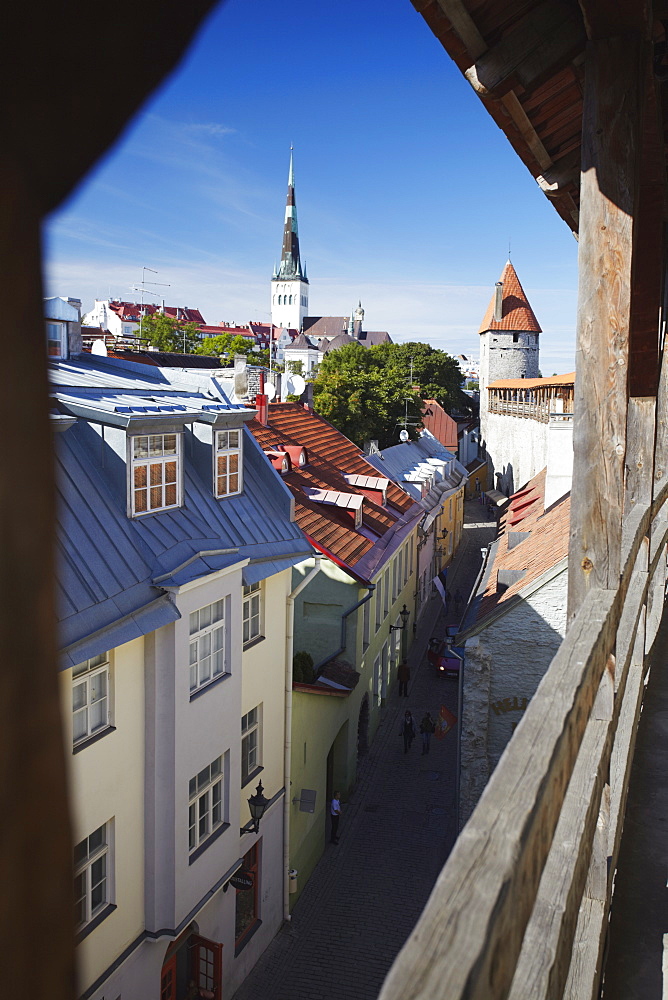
83, 867
251, 863
216, 632
82, 675
151, 462
250, 729
202, 803
251, 618
223, 450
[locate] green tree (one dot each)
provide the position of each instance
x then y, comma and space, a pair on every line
168, 334
363, 397
368, 392
215, 346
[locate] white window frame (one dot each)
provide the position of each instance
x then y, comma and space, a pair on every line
225, 455
366, 623
159, 459
379, 602
252, 607
92, 875
61, 339
207, 807
388, 599
84, 678
251, 743
208, 657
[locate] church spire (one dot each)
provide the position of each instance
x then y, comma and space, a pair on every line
290, 266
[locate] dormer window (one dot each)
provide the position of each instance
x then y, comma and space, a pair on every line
56, 339
155, 483
227, 474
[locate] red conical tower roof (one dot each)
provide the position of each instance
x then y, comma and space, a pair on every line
516, 313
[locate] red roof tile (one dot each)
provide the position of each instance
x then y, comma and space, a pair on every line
545, 546
516, 313
330, 457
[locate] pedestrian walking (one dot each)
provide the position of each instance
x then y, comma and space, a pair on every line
427, 727
404, 675
408, 730
335, 815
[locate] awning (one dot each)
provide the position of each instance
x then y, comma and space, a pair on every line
496, 497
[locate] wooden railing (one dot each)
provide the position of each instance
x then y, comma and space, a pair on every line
534, 409
520, 908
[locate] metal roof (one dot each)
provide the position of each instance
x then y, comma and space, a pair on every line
111, 566
413, 463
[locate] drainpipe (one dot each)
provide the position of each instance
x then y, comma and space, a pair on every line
287, 759
370, 587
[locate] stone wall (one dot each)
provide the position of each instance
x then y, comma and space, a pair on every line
503, 666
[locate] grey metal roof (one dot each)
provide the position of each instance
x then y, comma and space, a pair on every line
415, 462
111, 566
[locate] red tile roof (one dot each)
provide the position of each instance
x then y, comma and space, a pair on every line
516, 313
130, 311
546, 545
330, 457
440, 424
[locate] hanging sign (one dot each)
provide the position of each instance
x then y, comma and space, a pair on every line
242, 880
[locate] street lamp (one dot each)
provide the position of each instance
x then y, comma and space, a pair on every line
404, 614
258, 806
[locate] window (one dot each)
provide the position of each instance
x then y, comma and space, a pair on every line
247, 910
206, 964
155, 472
251, 612
56, 339
250, 744
379, 602
386, 587
228, 463
207, 645
366, 625
377, 680
205, 803
91, 876
90, 698
400, 571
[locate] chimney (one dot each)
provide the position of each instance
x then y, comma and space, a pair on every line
262, 404
498, 302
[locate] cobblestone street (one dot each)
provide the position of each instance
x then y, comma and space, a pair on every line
396, 831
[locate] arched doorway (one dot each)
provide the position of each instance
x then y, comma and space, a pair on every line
363, 726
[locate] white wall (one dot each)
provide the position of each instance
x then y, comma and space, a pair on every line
517, 448
107, 783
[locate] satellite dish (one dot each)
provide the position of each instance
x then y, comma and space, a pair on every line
99, 347
269, 390
295, 385
403, 435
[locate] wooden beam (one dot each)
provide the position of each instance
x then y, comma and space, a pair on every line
604, 19
534, 48
614, 86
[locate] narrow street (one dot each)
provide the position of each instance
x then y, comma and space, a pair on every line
396, 831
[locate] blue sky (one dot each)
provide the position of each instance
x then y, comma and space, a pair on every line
407, 192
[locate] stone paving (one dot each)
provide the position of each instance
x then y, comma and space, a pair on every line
366, 893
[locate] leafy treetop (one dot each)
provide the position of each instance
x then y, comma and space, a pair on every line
367, 393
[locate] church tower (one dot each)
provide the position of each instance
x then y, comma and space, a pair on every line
289, 285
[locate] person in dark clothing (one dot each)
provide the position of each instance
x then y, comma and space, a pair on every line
408, 730
404, 675
427, 727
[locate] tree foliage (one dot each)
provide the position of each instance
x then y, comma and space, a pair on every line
168, 334
367, 393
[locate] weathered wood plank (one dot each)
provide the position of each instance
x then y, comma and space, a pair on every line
610, 140
463, 24
639, 451
545, 959
470, 933
584, 973
538, 45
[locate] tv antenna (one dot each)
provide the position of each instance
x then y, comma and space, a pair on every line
142, 288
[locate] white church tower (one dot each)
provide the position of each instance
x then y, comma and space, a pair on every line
289, 285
